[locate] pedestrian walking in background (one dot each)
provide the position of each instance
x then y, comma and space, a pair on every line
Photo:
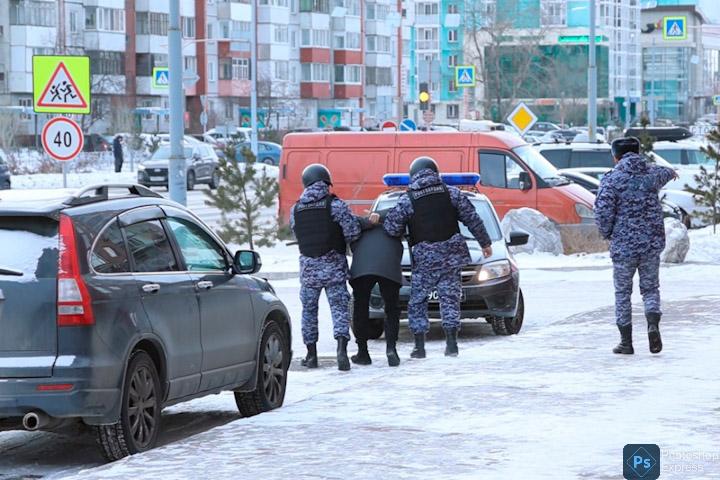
432, 210
323, 226
629, 214
376, 260
118, 153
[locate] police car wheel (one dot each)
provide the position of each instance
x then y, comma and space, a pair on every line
510, 325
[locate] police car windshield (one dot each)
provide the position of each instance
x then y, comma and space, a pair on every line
540, 165
482, 207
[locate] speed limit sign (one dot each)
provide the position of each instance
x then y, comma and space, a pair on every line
62, 139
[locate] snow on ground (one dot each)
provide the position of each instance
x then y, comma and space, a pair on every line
704, 246
74, 180
549, 403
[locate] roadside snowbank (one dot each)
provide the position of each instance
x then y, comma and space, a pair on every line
704, 246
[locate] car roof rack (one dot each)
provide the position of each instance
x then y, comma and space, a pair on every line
101, 193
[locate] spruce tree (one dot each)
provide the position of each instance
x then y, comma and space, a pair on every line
646, 140
244, 191
707, 191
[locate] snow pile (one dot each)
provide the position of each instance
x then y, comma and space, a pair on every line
677, 241
74, 180
704, 246
544, 235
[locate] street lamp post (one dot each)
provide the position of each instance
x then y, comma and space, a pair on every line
592, 77
177, 184
254, 74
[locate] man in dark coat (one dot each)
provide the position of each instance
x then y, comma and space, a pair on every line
118, 153
628, 212
377, 259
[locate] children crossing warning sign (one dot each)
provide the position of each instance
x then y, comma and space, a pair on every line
61, 84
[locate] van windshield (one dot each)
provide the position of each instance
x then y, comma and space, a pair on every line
540, 165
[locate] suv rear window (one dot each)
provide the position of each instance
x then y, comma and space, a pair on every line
29, 248
560, 158
591, 158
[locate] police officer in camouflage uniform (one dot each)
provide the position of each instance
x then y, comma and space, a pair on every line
629, 214
432, 210
323, 226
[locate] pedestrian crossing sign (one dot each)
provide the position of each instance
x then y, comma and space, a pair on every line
61, 84
465, 76
161, 77
675, 28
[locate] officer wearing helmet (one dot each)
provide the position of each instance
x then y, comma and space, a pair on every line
323, 226
432, 210
628, 213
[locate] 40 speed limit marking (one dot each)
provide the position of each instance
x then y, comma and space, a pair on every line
62, 139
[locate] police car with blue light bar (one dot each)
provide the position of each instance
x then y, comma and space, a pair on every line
490, 286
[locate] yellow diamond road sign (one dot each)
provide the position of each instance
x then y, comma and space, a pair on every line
61, 84
522, 118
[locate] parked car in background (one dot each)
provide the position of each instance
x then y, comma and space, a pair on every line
545, 127
115, 303
268, 152
686, 157
201, 166
97, 143
575, 155
592, 184
5, 182
164, 139
223, 135
490, 286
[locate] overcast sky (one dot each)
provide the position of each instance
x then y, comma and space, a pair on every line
711, 8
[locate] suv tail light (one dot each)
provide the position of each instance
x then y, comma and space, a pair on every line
73, 298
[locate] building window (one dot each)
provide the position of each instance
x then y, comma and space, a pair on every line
315, 72
25, 102
281, 70
452, 36
452, 88
106, 19
281, 34
452, 9
73, 22
316, 6
453, 111
553, 12
190, 64
379, 44
107, 63
378, 76
426, 9
28, 12
211, 71
348, 74
188, 27
375, 11
352, 6
452, 60
240, 69
314, 38
210, 31
352, 41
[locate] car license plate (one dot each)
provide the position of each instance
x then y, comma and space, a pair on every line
157, 179
433, 297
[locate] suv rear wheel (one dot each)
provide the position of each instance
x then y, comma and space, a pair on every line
214, 180
273, 364
139, 424
510, 325
190, 180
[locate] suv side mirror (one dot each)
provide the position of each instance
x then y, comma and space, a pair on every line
518, 238
247, 262
196, 157
525, 182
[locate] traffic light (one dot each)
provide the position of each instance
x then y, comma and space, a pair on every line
424, 96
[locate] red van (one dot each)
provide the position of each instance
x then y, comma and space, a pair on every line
513, 174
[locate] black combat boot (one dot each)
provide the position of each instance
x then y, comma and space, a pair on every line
363, 356
419, 350
310, 360
625, 346
392, 355
451, 346
342, 358
653, 319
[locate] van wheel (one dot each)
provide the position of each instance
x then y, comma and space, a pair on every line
273, 364
139, 424
510, 325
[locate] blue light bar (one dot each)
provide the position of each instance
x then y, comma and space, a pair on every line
455, 179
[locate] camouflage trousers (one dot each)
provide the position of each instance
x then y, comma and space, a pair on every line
648, 267
339, 300
449, 291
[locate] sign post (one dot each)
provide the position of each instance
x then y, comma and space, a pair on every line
63, 140
522, 118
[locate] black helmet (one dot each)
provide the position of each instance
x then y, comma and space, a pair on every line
316, 173
621, 146
421, 163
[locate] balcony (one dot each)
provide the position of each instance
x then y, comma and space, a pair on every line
427, 19
234, 88
427, 45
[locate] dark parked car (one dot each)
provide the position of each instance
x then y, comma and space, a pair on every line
113, 307
4, 172
490, 286
201, 166
97, 143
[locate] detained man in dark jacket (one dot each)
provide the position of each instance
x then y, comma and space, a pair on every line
377, 259
629, 214
323, 225
432, 210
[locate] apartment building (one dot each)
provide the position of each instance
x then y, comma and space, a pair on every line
321, 63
